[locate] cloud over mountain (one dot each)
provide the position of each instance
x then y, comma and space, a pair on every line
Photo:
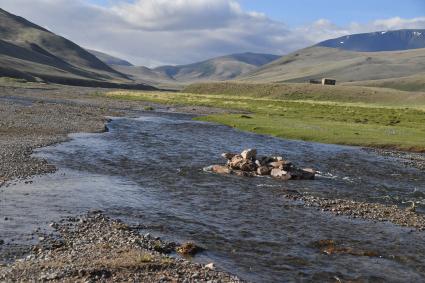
153, 32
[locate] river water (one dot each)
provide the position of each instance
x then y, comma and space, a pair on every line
148, 171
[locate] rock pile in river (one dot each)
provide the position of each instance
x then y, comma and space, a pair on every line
248, 164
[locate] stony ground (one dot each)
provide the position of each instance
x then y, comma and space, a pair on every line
95, 248
369, 211
408, 159
24, 128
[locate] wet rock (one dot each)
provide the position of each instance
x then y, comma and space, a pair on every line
210, 266
265, 160
277, 164
330, 247
282, 164
280, 174
228, 155
263, 171
221, 169
241, 173
249, 154
236, 162
189, 249
300, 174
247, 166
308, 174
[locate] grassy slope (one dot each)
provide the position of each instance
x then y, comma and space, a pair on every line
346, 66
298, 91
320, 121
409, 83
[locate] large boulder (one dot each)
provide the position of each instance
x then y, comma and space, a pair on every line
249, 154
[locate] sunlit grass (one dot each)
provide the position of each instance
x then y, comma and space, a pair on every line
351, 123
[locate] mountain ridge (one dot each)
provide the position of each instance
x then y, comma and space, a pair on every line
393, 40
34, 53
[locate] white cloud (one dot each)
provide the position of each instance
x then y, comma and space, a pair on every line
153, 32
178, 14
399, 23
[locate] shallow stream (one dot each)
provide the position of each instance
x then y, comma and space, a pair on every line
149, 171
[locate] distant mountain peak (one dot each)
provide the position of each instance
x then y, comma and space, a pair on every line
218, 68
394, 40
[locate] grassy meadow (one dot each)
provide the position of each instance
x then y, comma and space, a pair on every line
374, 119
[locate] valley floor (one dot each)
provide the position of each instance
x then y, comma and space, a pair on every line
36, 115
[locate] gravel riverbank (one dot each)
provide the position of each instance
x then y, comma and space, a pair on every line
408, 159
96, 248
24, 128
368, 211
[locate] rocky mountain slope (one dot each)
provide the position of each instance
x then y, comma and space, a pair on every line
379, 41
31, 52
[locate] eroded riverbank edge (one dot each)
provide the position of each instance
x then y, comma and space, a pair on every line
65, 118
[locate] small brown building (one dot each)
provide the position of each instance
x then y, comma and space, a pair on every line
326, 81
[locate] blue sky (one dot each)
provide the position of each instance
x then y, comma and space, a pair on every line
340, 12
158, 32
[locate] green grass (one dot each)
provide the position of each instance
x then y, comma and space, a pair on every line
411, 83
320, 121
299, 91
